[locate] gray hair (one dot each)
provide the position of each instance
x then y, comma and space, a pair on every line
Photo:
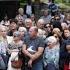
51, 39
22, 29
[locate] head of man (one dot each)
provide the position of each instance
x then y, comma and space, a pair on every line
33, 32
40, 23
20, 11
28, 23
45, 12
66, 33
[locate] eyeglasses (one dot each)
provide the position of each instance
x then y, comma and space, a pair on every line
47, 26
15, 36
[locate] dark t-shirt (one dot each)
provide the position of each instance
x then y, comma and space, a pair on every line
34, 43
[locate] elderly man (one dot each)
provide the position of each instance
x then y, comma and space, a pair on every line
33, 49
28, 23
46, 16
41, 23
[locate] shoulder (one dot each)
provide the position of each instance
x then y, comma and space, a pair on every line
26, 37
40, 38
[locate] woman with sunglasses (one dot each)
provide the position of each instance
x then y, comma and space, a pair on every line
13, 49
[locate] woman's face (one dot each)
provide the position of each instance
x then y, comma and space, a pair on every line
4, 32
48, 27
15, 37
50, 44
21, 33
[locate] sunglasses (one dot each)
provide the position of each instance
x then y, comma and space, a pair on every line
15, 36
47, 26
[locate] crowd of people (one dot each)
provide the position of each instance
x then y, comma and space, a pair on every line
44, 43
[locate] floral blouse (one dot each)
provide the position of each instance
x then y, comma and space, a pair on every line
51, 56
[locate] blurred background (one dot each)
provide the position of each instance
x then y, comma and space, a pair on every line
10, 7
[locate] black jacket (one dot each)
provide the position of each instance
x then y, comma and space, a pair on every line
32, 9
64, 55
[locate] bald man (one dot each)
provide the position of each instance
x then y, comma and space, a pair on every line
33, 48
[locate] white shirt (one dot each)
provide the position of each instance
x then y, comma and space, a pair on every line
28, 10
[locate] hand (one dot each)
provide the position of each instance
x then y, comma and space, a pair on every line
30, 63
69, 51
69, 65
32, 57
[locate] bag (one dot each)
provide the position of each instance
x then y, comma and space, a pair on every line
66, 67
17, 63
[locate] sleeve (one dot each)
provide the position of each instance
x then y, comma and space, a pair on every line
25, 40
41, 42
63, 52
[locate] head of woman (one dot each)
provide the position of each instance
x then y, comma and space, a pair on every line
51, 41
3, 31
66, 33
16, 36
57, 31
22, 31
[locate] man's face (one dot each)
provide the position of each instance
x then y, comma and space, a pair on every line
28, 24
40, 25
66, 33
32, 32
45, 13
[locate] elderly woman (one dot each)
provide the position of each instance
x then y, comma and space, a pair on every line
22, 31
13, 49
51, 54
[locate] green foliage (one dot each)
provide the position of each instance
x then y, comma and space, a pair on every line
64, 4
58, 1
23, 1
